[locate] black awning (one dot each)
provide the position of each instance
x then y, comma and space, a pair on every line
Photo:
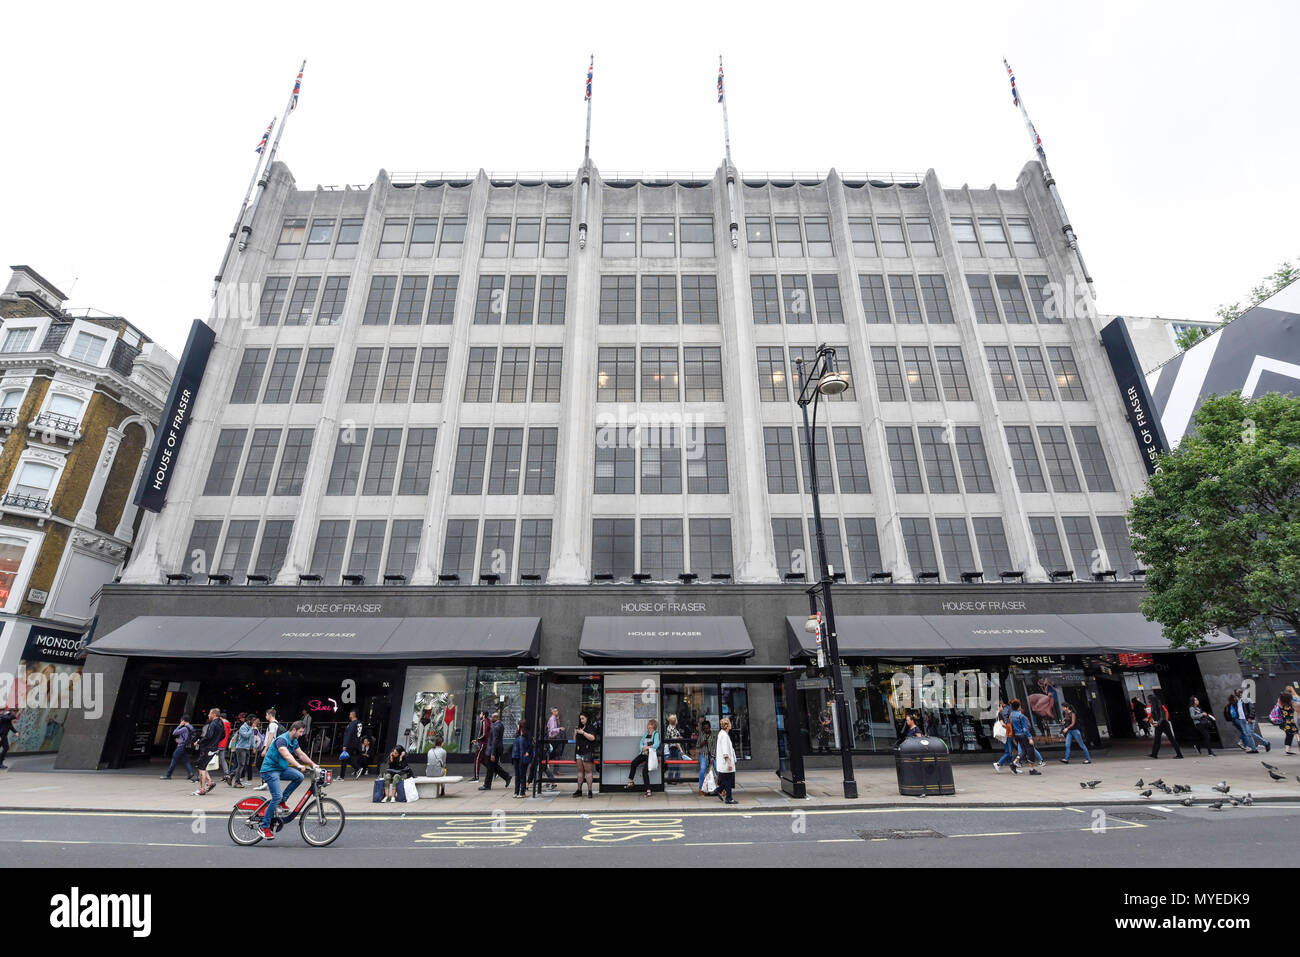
695, 638
322, 638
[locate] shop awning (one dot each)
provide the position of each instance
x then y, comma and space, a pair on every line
692, 639
923, 636
322, 638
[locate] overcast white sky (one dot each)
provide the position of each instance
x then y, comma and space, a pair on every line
1171, 128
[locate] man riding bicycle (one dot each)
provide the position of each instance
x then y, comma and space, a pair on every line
284, 761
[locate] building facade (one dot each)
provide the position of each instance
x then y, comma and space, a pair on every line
79, 400
579, 388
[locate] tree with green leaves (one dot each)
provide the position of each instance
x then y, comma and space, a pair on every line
1274, 282
1219, 528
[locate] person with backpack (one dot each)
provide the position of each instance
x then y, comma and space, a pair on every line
1074, 732
1024, 734
1242, 714
1160, 726
1202, 721
183, 734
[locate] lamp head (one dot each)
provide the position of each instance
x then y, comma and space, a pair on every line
833, 383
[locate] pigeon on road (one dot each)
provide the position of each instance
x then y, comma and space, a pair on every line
1159, 782
1216, 805
1091, 784
1186, 802
1146, 793
1223, 787
1139, 784
1267, 765
1276, 777
1248, 800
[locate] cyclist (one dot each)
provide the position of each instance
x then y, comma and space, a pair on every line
284, 761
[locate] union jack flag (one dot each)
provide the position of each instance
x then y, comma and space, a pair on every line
590, 69
265, 136
719, 82
1015, 96
297, 88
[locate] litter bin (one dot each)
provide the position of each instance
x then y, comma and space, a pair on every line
923, 767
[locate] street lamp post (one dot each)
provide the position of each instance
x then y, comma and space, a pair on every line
825, 380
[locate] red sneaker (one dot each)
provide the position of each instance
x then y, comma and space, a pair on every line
268, 834
284, 807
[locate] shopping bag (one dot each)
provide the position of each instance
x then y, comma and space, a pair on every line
378, 793
409, 791
999, 731
1276, 714
213, 764
710, 783
652, 761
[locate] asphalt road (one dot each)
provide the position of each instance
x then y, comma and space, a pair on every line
1081, 836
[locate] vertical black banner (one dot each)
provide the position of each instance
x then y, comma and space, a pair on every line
1134, 393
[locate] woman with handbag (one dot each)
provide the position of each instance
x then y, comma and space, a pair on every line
673, 750
649, 746
480, 742
1202, 721
704, 750
726, 764
1002, 732
584, 753
1285, 719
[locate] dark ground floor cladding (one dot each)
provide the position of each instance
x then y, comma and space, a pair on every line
418, 663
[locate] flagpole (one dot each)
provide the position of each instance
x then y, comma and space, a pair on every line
246, 228
722, 98
586, 162
248, 193
1048, 179
731, 170
586, 149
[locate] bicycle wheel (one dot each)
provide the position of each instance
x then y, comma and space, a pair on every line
243, 827
321, 822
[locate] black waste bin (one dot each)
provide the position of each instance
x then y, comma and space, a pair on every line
923, 767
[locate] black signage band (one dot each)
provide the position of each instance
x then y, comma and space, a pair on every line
151, 493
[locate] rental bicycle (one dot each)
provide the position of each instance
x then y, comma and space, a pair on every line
320, 819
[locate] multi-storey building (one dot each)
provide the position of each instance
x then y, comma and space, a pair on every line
79, 400
580, 389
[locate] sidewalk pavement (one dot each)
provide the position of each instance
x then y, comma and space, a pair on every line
33, 784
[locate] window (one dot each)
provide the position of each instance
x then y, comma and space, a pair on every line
349, 237
547, 362
940, 473
417, 462
514, 375
367, 549
826, 299
403, 547
275, 546
410, 303
274, 289
1114, 535
284, 372
889, 375
291, 237
794, 296
381, 466
507, 457
788, 241
659, 300
539, 474
535, 547
787, 541
260, 462
1005, 386
825, 474
991, 539
248, 380
1096, 472
453, 237
771, 375
995, 240
293, 463
711, 547
907, 309
496, 238
431, 374
551, 302
36, 480
12, 399
422, 236
1041, 295
20, 340
963, 232
490, 304
87, 348
920, 374
1068, 383
365, 374
379, 305
458, 548
975, 471
864, 548
1083, 544
697, 237
758, 236
661, 548
981, 294
528, 235
237, 551
862, 236
557, 244
302, 304
1029, 472
523, 293
703, 369
851, 459
471, 456
442, 300
397, 375
616, 375
706, 460
817, 232
618, 300
615, 463
659, 374
392, 241
902, 460
699, 300
202, 548
934, 292
658, 237
1056, 452
921, 235
498, 547
765, 300
778, 453
954, 546
618, 237
481, 375
225, 461
918, 538
1023, 238
613, 547
874, 303
1013, 300
891, 238
952, 373
345, 470
332, 301
1038, 386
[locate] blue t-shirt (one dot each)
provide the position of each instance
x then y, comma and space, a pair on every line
274, 760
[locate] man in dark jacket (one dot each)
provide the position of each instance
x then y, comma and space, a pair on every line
209, 747
1160, 726
351, 745
183, 734
496, 743
8, 717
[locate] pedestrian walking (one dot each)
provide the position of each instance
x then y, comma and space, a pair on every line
494, 752
1024, 734
704, 750
521, 754
1159, 719
673, 748
910, 728
649, 743
273, 730
253, 764
584, 753
1202, 721
1074, 732
726, 761
184, 734
1140, 717
480, 742
348, 757
209, 747
1242, 714
1008, 738
552, 749
222, 761
398, 770
1286, 712
8, 718
367, 754
824, 731
243, 751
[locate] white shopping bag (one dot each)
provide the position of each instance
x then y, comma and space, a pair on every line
710, 783
410, 790
652, 763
